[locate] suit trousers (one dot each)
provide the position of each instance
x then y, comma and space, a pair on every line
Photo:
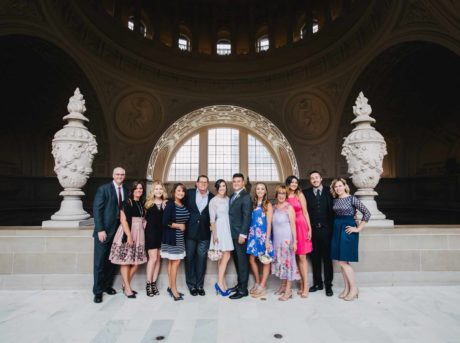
241, 264
104, 270
321, 254
196, 254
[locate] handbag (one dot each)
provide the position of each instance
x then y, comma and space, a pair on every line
265, 258
214, 254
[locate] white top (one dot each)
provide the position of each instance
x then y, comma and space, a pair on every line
218, 213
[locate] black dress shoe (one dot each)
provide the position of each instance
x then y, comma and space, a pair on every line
194, 292
110, 291
329, 292
238, 295
98, 298
232, 289
315, 288
201, 292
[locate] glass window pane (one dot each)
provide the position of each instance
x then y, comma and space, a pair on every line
185, 164
223, 153
261, 165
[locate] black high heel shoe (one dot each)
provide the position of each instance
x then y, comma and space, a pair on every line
171, 293
123, 289
132, 296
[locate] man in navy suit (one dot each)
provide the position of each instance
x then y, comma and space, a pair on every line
240, 219
197, 235
319, 203
106, 211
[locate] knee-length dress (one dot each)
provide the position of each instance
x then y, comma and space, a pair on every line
344, 246
304, 245
284, 265
218, 214
173, 241
258, 233
154, 227
121, 253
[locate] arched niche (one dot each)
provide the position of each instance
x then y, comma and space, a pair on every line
412, 88
221, 116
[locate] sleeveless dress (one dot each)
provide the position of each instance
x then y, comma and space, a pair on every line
284, 265
218, 214
344, 246
121, 253
258, 233
154, 227
304, 245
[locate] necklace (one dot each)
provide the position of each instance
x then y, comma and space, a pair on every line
139, 207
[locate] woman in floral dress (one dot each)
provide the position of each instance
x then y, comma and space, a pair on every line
259, 242
284, 265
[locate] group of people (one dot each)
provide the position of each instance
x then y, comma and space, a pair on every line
194, 224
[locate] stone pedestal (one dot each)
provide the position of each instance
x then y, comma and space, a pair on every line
74, 148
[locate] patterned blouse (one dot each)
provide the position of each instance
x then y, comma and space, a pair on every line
349, 205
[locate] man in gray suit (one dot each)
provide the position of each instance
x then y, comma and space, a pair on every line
106, 211
240, 218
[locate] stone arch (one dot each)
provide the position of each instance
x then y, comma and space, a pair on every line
222, 115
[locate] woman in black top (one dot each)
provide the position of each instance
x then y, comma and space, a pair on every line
154, 206
175, 218
128, 248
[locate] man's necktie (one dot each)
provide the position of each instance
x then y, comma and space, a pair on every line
119, 197
318, 194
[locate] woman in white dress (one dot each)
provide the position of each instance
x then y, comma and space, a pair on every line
221, 236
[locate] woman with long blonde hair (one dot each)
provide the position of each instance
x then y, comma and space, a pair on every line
154, 206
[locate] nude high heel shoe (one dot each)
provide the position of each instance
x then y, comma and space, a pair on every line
351, 297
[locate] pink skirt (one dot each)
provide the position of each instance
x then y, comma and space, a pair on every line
123, 254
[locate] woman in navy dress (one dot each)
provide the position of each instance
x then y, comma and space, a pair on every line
345, 236
175, 218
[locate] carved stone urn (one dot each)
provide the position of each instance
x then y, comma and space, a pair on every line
364, 149
73, 149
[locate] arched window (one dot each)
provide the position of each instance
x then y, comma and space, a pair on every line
263, 43
219, 141
224, 47
184, 166
143, 30
184, 43
315, 26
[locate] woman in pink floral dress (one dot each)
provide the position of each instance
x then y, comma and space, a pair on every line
284, 265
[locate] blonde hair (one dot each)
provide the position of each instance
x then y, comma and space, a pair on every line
151, 197
278, 189
265, 200
347, 189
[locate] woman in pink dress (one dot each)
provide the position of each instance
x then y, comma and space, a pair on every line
303, 230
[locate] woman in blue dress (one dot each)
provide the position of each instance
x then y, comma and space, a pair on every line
259, 242
345, 236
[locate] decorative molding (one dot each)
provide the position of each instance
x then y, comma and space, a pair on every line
221, 115
21, 9
307, 117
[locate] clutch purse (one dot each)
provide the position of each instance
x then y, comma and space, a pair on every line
265, 258
214, 255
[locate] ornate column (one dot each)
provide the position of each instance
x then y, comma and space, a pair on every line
74, 148
364, 149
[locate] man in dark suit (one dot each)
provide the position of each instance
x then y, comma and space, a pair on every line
197, 235
106, 211
240, 218
319, 203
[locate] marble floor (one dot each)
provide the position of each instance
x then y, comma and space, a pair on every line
381, 314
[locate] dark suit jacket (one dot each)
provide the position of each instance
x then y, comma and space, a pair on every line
105, 209
326, 201
199, 223
240, 214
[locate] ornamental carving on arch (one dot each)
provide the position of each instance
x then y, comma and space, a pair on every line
222, 115
138, 115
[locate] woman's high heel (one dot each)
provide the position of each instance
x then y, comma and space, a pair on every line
286, 296
172, 294
220, 291
343, 295
351, 297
